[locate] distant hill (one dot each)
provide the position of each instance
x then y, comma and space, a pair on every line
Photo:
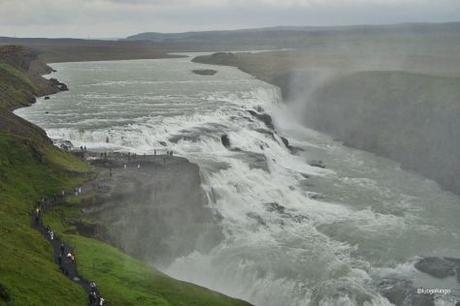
73, 50
294, 37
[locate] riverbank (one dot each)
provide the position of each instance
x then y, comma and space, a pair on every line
32, 168
79, 50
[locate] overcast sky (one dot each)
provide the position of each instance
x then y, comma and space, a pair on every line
120, 18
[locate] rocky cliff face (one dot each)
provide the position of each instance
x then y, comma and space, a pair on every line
20, 82
155, 209
410, 118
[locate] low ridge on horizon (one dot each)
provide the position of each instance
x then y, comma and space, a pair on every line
302, 28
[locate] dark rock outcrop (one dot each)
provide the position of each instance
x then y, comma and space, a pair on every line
456, 262
267, 132
436, 267
265, 118
154, 210
59, 86
317, 164
225, 141
403, 293
292, 149
275, 207
204, 71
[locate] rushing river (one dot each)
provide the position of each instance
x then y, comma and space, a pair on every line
294, 234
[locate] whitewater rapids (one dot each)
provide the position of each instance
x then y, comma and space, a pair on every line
294, 234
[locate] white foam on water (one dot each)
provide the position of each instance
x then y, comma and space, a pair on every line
281, 247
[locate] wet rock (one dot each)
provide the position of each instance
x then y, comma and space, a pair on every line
317, 163
286, 142
436, 267
187, 136
287, 145
292, 149
456, 262
421, 300
299, 218
396, 291
67, 145
315, 196
265, 118
47, 98
204, 71
402, 292
256, 160
275, 207
58, 85
281, 210
267, 132
225, 141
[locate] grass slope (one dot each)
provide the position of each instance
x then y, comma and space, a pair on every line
27, 269
31, 168
122, 279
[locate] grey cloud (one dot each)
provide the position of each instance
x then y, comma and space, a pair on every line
117, 18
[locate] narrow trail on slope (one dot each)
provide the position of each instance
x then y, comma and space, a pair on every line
61, 250
64, 254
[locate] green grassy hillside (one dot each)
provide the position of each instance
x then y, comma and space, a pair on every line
31, 168
28, 273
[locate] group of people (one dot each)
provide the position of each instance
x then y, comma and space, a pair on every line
50, 233
66, 258
129, 155
78, 191
125, 166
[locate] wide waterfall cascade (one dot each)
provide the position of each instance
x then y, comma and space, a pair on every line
294, 234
